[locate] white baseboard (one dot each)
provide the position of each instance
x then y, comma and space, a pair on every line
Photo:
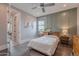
2, 47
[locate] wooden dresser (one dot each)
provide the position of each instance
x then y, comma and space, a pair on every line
76, 45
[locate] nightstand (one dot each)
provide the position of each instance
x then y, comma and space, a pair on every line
64, 40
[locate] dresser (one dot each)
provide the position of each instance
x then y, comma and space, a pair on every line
76, 45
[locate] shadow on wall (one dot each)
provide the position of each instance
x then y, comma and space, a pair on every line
28, 27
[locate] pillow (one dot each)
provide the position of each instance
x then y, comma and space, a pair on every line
52, 36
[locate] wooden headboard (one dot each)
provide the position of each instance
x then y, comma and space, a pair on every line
52, 33
76, 45
56, 33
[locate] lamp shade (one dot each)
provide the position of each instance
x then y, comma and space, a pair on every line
64, 31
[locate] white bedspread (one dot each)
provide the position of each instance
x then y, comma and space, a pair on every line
46, 44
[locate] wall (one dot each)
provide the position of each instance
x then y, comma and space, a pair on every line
57, 21
28, 32
3, 26
78, 20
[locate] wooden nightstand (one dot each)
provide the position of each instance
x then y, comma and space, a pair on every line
64, 40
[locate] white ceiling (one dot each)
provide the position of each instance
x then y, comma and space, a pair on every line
27, 7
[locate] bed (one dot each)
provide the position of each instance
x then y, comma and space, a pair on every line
46, 44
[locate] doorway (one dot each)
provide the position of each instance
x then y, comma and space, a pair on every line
13, 29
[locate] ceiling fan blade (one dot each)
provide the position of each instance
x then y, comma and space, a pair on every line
34, 7
49, 4
43, 9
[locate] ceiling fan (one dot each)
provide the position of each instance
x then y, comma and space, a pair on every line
43, 5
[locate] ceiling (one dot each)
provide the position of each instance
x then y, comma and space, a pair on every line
27, 7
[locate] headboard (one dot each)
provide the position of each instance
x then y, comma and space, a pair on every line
76, 45
56, 33
52, 33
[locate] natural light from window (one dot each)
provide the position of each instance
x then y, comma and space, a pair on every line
41, 26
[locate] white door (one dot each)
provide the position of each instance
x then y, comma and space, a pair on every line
13, 29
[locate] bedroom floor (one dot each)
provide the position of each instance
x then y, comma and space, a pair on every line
3, 52
62, 50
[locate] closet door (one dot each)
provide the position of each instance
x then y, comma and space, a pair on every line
49, 22
73, 21
54, 23
59, 22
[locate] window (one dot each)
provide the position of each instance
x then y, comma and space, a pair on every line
10, 25
41, 26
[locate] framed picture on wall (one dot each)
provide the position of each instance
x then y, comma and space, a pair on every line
26, 25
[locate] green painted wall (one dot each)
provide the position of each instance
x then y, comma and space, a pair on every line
56, 21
